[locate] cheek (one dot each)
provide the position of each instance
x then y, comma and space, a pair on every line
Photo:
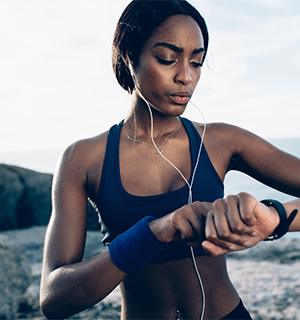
196, 77
152, 79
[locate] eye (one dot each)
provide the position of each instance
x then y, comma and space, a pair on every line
197, 64
165, 62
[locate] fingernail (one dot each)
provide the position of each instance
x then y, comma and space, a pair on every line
254, 234
247, 244
232, 248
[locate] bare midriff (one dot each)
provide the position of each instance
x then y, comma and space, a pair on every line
171, 290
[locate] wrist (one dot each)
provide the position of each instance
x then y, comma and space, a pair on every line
275, 216
162, 230
132, 249
284, 221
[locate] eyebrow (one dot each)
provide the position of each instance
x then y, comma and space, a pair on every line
175, 48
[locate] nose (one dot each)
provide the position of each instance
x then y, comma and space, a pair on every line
183, 75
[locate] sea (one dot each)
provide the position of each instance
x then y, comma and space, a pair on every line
235, 182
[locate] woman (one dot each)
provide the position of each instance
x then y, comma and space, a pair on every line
153, 194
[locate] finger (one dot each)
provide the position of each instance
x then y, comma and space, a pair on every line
163, 230
198, 226
181, 222
197, 219
237, 209
211, 231
213, 250
227, 241
219, 224
188, 220
220, 221
247, 205
201, 208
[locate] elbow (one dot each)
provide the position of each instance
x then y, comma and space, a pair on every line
48, 303
56, 304
49, 307
52, 308
52, 297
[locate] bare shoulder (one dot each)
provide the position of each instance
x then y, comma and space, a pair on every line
82, 161
219, 133
231, 136
83, 152
218, 128
228, 146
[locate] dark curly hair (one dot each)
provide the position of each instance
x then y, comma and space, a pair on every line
138, 22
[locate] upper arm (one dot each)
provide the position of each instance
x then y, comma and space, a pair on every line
264, 162
65, 237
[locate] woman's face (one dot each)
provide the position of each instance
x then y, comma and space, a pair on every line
170, 65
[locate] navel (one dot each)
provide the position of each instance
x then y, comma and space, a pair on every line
178, 316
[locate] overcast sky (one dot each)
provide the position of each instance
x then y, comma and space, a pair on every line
57, 84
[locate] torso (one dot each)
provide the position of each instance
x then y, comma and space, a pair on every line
173, 284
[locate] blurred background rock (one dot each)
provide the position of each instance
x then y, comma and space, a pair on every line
266, 276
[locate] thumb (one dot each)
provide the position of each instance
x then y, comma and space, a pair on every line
213, 250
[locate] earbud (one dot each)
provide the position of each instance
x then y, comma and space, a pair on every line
131, 69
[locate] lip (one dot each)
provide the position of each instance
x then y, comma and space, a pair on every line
181, 97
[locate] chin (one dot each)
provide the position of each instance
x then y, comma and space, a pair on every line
173, 110
177, 110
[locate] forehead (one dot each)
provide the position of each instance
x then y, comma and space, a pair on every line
180, 30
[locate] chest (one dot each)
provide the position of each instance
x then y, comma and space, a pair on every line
136, 182
144, 172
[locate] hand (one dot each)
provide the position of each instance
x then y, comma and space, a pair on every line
185, 224
237, 223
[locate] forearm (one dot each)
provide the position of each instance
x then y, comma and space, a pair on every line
290, 207
72, 288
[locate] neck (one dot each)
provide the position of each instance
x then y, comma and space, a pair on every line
139, 120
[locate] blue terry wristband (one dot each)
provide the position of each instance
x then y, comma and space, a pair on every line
135, 247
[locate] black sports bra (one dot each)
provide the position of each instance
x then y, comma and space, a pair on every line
119, 210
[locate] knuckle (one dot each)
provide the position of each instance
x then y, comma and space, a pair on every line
243, 195
219, 204
231, 198
247, 217
211, 237
190, 234
176, 218
180, 212
197, 205
232, 201
224, 235
186, 209
237, 228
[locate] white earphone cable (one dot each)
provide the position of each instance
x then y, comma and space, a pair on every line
190, 185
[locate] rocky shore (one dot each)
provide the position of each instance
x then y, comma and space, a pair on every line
267, 279
266, 276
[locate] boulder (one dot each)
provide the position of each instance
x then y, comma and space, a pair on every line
25, 199
15, 277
